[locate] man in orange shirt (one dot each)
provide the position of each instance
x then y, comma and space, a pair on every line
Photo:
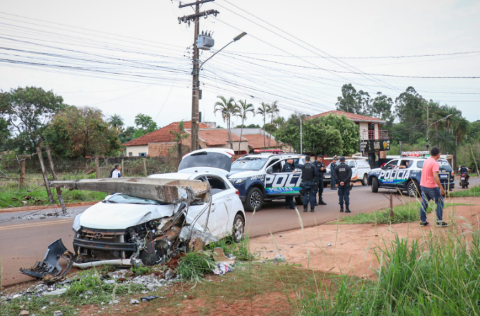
431, 188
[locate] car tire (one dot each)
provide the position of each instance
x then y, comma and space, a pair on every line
299, 200
365, 180
253, 200
238, 229
413, 189
374, 185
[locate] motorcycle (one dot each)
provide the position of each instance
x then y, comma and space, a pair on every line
463, 181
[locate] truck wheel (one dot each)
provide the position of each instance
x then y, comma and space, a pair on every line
253, 200
299, 200
374, 185
412, 188
365, 180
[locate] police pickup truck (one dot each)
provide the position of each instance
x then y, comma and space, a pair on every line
404, 174
257, 177
360, 170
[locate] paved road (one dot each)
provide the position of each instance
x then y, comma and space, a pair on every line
23, 242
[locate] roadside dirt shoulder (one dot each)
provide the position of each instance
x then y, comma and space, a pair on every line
350, 249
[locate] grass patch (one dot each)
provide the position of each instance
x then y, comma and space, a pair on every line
36, 305
12, 196
195, 265
472, 191
405, 213
141, 270
437, 276
239, 250
238, 289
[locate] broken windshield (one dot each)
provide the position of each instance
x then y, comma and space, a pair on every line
127, 199
249, 163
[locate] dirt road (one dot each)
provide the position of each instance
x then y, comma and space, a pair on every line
23, 242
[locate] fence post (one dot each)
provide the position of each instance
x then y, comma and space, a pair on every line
97, 167
59, 191
145, 166
123, 169
44, 173
22, 173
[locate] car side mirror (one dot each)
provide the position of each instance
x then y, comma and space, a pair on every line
269, 170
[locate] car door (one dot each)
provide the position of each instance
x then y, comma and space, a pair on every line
278, 183
388, 174
221, 198
353, 166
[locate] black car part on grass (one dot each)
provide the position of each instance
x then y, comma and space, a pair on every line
50, 269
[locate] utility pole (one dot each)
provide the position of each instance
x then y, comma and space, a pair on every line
196, 69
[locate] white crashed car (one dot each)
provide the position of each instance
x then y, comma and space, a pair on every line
122, 228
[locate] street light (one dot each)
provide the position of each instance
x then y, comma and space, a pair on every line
236, 38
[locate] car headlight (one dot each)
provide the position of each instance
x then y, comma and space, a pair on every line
238, 180
76, 223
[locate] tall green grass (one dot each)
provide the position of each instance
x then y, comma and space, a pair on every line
405, 213
12, 196
472, 191
437, 276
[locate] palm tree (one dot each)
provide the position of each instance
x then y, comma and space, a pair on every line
244, 108
273, 111
179, 135
116, 121
263, 110
228, 109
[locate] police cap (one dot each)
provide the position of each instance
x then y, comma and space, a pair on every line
342, 159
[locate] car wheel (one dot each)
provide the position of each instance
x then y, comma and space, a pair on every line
254, 200
299, 200
238, 230
374, 185
412, 188
365, 180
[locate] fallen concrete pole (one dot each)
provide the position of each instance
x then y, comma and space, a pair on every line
114, 262
165, 190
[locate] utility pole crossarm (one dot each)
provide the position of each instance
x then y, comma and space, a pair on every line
193, 3
197, 15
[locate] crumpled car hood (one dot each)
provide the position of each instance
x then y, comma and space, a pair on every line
121, 216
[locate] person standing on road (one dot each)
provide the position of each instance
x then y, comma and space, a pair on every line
321, 170
309, 177
289, 167
343, 175
432, 188
332, 166
116, 172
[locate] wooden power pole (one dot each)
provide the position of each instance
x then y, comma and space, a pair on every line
196, 69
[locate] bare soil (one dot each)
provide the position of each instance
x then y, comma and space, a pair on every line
350, 248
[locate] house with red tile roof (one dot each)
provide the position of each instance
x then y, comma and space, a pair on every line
161, 141
374, 142
369, 126
162, 136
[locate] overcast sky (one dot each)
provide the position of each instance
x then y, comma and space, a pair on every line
130, 57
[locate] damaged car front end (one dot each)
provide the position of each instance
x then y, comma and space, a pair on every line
152, 221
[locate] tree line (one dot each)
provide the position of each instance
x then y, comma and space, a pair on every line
30, 116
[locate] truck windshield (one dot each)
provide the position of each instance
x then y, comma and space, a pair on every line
251, 163
127, 199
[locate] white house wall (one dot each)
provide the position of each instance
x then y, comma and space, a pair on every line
136, 150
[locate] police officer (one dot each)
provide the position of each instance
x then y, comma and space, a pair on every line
321, 170
332, 166
343, 175
289, 167
309, 178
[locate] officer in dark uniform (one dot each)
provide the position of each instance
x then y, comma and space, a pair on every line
343, 175
332, 167
321, 171
289, 167
309, 178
